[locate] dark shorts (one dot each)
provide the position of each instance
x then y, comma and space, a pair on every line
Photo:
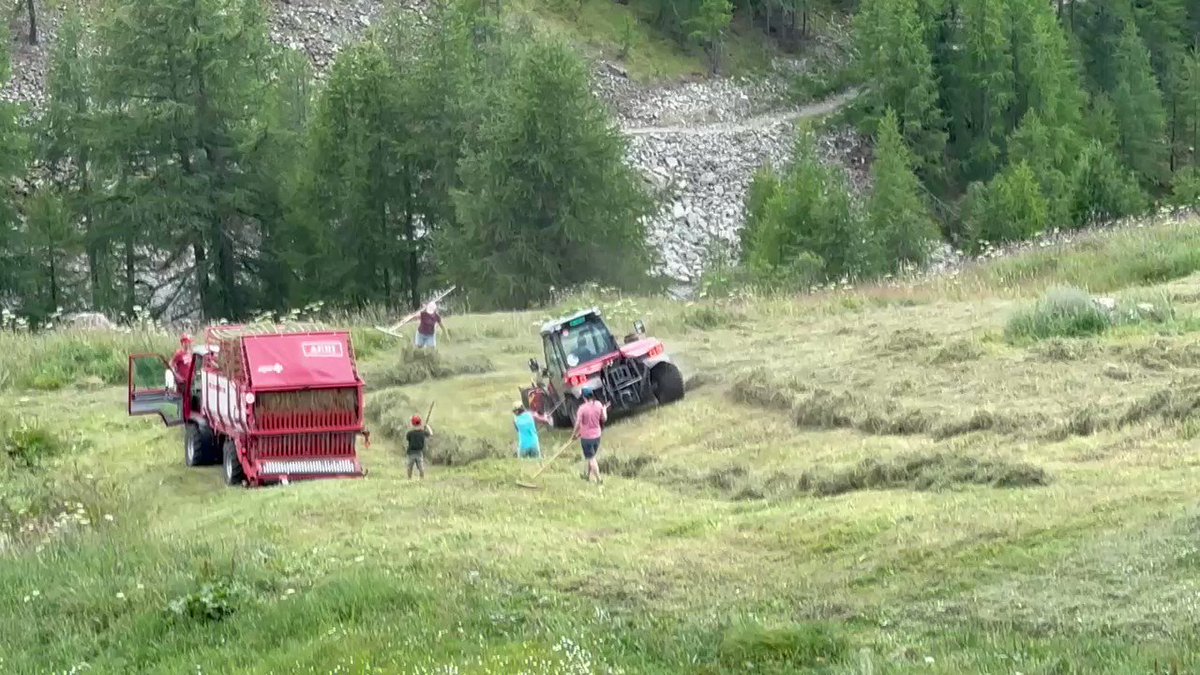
590, 447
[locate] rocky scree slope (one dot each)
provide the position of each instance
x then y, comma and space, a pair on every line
698, 143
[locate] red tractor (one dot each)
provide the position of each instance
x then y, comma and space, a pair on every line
581, 352
272, 405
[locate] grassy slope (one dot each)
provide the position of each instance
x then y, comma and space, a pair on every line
619, 32
680, 567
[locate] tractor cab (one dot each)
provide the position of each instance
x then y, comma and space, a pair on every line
578, 340
581, 352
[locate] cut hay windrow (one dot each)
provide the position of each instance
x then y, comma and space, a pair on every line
342, 400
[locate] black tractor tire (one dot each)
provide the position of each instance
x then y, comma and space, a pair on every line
564, 415
200, 447
232, 466
667, 382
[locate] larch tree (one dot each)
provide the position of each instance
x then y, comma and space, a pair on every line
66, 145
983, 86
363, 182
13, 147
1188, 100
807, 228
179, 83
895, 61
547, 200
1138, 107
898, 217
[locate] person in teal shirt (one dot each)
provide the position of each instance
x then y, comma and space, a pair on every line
527, 434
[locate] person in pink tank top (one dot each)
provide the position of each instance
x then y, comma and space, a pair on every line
589, 420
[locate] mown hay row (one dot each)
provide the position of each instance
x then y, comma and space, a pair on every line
915, 472
313, 400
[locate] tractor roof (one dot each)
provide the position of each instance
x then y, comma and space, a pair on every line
557, 324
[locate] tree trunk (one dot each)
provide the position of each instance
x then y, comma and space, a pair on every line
50, 256
229, 302
130, 275
33, 31
1174, 130
200, 260
414, 259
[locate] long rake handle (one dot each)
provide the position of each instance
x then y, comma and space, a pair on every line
551, 460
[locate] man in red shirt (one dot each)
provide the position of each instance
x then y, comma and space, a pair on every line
182, 361
427, 328
588, 421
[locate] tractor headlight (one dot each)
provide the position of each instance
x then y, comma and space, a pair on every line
249, 398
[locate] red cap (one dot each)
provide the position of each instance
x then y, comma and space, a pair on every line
416, 420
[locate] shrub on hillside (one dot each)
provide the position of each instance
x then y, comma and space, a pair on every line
803, 216
1185, 189
1102, 190
1063, 312
1010, 208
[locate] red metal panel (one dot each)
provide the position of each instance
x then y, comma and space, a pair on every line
299, 360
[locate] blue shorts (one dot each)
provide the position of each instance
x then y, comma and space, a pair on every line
426, 340
590, 447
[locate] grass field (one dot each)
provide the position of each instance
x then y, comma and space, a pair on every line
878, 480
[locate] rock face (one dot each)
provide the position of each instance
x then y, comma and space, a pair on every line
697, 142
702, 170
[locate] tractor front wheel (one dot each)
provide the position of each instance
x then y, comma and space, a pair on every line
234, 474
199, 446
667, 382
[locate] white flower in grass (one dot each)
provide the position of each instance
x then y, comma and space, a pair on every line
120, 595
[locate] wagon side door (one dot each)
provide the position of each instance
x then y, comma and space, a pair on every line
152, 389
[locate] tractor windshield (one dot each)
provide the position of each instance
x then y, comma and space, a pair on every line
586, 341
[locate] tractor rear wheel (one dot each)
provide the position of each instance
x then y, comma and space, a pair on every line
564, 414
199, 446
667, 382
234, 474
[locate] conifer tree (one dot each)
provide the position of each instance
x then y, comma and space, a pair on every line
897, 65
1050, 152
1188, 108
12, 163
808, 226
363, 181
547, 199
66, 145
897, 215
1101, 189
1046, 75
51, 242
179, 87
983, 86
1138, 107
1011, 208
